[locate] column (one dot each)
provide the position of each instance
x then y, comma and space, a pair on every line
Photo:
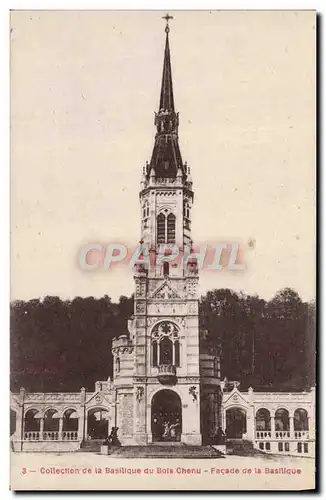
273, 427
41, 427
21, 417
60, 427
86, 425
291, 426
19, 432
81, 424
158, 353
173, 354
223, 419
82, 421
250, 417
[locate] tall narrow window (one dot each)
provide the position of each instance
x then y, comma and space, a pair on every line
160, 228
186, 210
166, 351
154, 353
177, 353
171, 228
166, 269
117, 364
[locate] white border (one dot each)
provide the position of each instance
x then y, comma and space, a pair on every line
5, 6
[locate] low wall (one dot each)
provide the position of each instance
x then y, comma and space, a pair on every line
287, 447
46, 446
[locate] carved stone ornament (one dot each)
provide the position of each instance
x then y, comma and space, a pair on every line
139, 393
165, 329
193, 393
123, 350
165, 292
140, 307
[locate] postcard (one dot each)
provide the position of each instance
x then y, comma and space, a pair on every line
163, 308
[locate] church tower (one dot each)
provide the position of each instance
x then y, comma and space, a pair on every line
157, 370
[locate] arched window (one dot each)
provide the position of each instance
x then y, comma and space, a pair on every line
161, 228
282, 421
51, 420
177, 353
263, 420
154, 353
70, 420
166, 348
13, 420
165, 228
216, 367
117, 365
165, 344
171, 228
30, 422
186, 210
166, 269
145, 210
300, 421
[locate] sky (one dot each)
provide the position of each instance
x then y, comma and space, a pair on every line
84, 88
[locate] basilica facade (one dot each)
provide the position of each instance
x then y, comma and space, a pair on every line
166, 383
159, 370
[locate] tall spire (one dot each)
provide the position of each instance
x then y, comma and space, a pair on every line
166, 158
166, 99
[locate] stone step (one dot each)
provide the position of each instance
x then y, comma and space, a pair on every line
91, 445
167, 451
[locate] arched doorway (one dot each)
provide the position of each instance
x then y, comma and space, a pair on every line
70, 420
51, 421
282, 420
31, 424
263, 420
236, 423
13, 421
97, 423
166, 416
301, 422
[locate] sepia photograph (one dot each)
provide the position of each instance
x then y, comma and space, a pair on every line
163, 250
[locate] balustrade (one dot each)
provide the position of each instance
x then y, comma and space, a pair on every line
51, 436
167, 369
263, 435
282, 434
32, 436
301, 435
279, 435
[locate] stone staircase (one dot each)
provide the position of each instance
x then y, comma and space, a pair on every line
91, 445
166, 450
241, 447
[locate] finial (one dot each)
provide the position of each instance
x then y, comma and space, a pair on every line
167, 17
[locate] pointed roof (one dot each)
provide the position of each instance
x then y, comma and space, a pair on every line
166, 157
166, 98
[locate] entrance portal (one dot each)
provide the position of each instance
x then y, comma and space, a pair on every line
166, 416
97, 424
236, 423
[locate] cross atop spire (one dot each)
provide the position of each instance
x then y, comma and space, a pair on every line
166, 161
166, 98
167, 17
